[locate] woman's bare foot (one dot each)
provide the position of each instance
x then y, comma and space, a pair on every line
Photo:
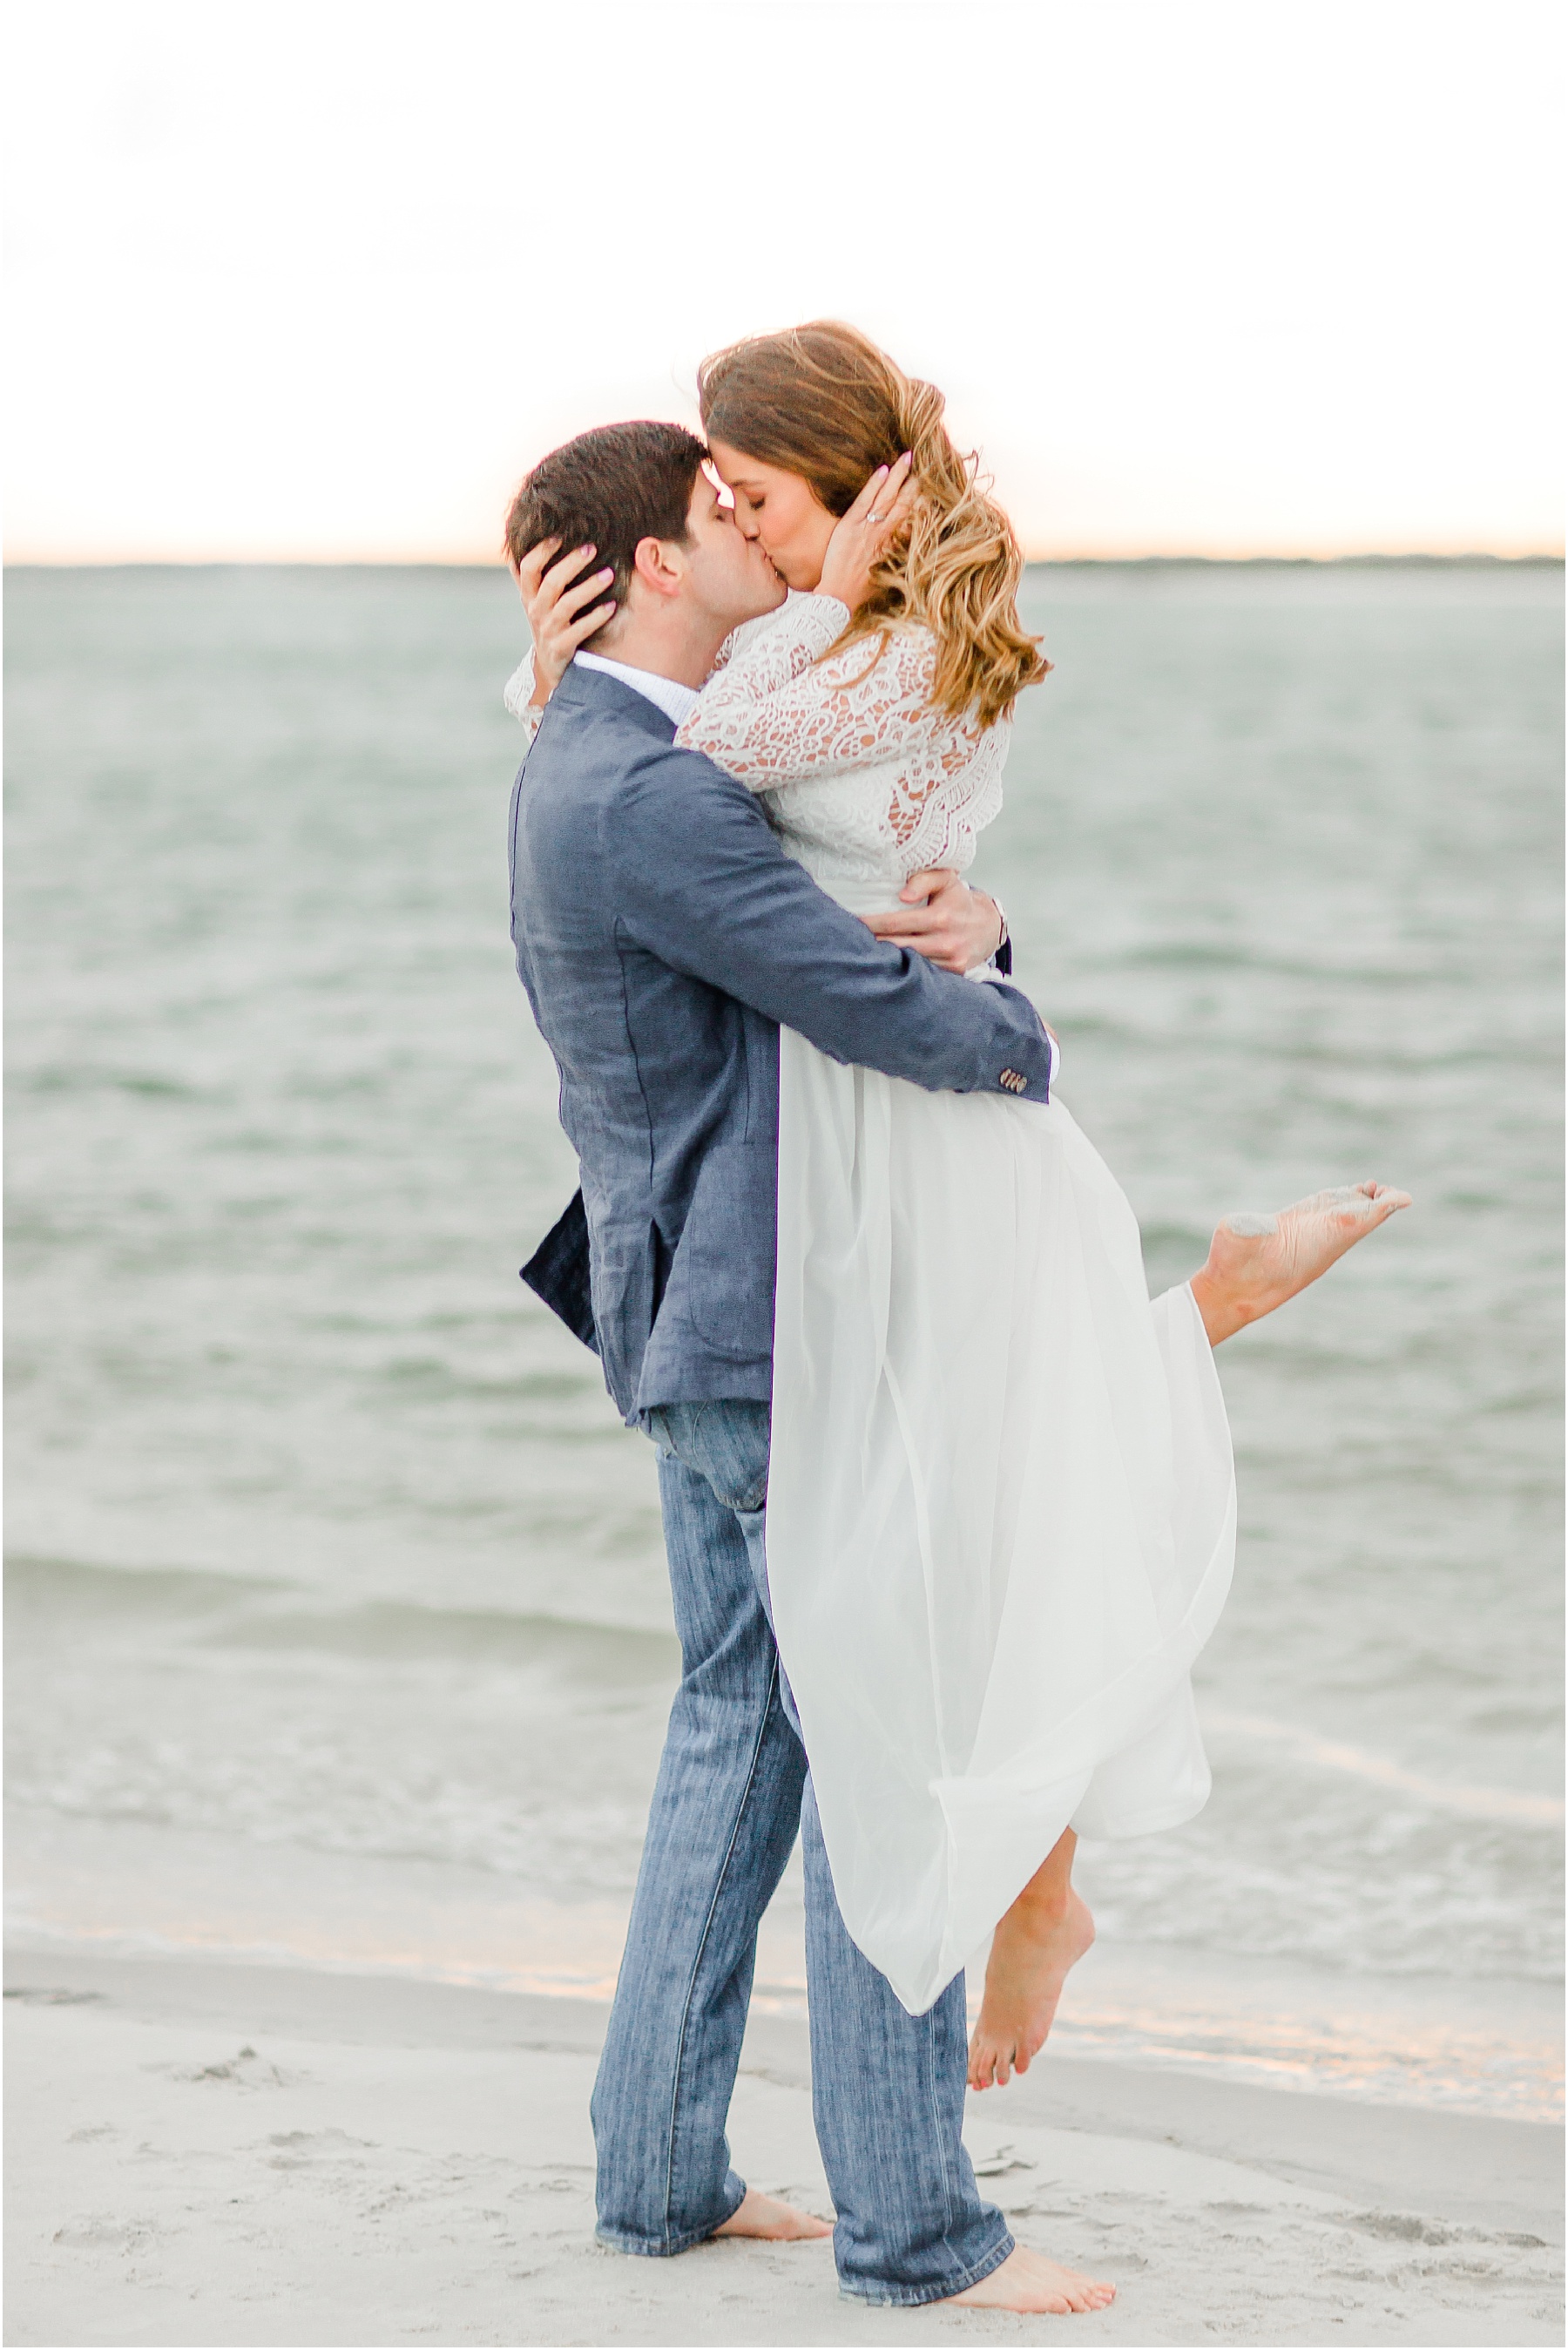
1030, 1952
1255, 1262
1029, 2282
775, 2223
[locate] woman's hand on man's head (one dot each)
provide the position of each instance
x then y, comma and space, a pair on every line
563, 601
863, 537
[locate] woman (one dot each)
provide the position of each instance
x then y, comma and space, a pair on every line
1001, 1510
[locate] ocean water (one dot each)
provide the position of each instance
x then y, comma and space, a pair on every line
337, 1626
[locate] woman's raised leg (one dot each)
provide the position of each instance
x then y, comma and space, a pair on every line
1046, 1933
1255, 1263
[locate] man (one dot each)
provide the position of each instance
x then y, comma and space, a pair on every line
662, 934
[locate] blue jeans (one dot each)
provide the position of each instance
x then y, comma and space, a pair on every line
888, 2088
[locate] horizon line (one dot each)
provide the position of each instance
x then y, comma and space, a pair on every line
1296, 557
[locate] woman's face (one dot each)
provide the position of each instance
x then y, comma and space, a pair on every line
794, 524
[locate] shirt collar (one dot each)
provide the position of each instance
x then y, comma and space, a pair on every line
664, 693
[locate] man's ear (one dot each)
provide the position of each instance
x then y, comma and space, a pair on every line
657, 563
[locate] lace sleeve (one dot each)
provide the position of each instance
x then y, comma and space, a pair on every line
517, 693
779, 713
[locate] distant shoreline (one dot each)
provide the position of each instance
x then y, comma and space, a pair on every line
1295, 563
1415, 562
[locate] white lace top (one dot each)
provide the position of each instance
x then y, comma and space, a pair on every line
864, 781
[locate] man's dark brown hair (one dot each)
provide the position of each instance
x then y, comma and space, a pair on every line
609, 489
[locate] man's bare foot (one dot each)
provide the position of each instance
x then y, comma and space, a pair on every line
775, 2223
1030, 1951
1255, 1262
1029, 2282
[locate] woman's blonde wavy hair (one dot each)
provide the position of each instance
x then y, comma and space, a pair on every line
821, 400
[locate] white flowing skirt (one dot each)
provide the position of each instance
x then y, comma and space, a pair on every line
1001, 1509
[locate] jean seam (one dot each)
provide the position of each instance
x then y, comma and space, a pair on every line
701, 1949
938, 2124
975, 2271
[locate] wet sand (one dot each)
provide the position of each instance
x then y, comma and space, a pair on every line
204, 2152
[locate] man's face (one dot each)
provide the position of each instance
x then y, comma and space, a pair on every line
729, 575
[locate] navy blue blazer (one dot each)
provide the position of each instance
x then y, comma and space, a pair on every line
663, 935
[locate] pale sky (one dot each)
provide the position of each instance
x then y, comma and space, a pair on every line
321, 280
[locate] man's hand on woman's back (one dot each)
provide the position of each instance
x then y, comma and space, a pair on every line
943, 918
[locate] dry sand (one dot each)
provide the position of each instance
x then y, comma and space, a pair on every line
202, 2152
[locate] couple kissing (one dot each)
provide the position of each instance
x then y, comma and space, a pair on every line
948, 1503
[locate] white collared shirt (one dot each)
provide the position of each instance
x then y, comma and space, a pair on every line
665, 695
